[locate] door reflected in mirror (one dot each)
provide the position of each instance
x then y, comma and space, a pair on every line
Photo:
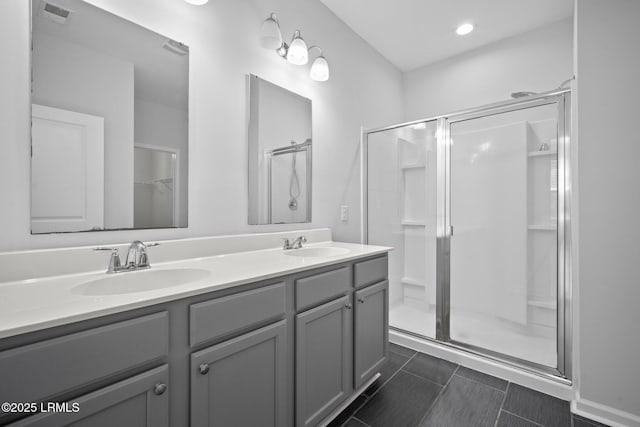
280, 160
109, 122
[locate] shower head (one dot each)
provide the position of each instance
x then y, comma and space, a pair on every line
522, 94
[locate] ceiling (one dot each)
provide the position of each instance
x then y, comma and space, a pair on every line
414, 33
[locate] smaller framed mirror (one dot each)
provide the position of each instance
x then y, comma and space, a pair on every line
280, 154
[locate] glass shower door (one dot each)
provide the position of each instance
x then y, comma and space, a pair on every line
401, 212
503, 200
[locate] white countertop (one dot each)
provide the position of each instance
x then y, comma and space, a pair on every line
35, 304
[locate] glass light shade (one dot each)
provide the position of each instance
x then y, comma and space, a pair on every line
197, 2
319, 69
298, 53
270, 35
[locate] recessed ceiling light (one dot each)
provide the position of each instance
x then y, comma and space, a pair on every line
197, 2
464, 29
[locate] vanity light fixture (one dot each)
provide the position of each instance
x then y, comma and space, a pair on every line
296, 52
197, 2
270, 35
319, 68
464, 29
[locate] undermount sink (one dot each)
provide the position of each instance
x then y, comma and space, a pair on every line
140, 281
317, 252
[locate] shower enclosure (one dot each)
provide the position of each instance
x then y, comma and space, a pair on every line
476, 207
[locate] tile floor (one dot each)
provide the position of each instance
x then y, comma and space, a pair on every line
416, 389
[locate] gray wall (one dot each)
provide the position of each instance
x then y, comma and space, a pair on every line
608, 284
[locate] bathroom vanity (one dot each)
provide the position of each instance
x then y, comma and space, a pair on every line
268, 338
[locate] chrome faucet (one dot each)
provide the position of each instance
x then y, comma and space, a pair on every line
295, 243
137, 258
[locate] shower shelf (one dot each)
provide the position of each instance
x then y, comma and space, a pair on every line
542, 227
542, 153
549, 304
412, 281
412, 223
413, 166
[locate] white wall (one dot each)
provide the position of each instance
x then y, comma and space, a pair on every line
608, 284
84, 81
536, 61
364, 90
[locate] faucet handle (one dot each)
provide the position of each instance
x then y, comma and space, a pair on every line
286, 243
297, 243
114, 260
143, 258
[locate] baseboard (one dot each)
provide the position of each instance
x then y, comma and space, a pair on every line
603, 413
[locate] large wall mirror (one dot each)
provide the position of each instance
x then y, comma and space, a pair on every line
280, 148
109, 122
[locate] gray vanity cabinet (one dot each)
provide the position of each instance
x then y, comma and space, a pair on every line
241, 381
284, 352
323, 360
139, 401
371, 332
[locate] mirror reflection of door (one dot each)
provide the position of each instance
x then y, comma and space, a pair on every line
67, 189
155, 188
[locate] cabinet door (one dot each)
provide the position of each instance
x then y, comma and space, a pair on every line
241, 382
371, 330
140, 401
323, 360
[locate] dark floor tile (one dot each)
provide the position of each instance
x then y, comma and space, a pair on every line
403, 401
348, 412
401, 350
354, 422
538, 407
507, 419
391, 366
579, 421
431, 368
464, 402
482, 378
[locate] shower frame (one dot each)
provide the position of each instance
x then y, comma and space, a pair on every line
444, 231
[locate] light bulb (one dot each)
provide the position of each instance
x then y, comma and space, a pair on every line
319, 69
464, 29
270, 35
298, 53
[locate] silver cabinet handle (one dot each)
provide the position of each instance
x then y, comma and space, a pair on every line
204, 368
348, 305
361, 300
160, 388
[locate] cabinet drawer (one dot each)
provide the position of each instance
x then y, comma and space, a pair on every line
136, 401
371, 271
37, 371
223, 316
321, 287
